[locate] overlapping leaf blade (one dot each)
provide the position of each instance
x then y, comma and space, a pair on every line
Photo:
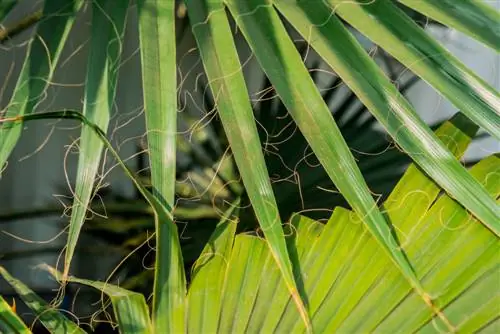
344, 251
218, 52
158, 60
415, 188
283, 65
341, 51
162, 212
49, 316
255, 297
474, 18
39, 64
10, 321
108, 25
130, 308
390, 28
349, 282
457, 259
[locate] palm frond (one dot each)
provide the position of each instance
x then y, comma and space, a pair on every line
346, 279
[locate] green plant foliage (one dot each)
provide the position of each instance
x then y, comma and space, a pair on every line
129, 222
483, 25
204, 294
38, 68
390, 28
424, 260
212, 32
56, 322
162, 212
130, 308
297, 176
108, 24
348, 282
158, 59
377, 93
9, 320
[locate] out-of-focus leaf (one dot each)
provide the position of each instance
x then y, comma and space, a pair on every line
162, 212
5, 7
39, 64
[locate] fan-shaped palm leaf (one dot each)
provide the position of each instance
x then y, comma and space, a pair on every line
409, 273
346, 279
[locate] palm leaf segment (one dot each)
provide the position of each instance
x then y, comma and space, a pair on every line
347, 281
445, 293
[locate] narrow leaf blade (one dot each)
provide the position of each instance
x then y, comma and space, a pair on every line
220, 59
342, 52
108, 24
130, 308
389, 27
9, 320
50, 317
158, 59
474, 18
162, 212
279, 58
40, 62
416, 187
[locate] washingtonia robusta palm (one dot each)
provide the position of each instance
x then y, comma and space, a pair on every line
388, 229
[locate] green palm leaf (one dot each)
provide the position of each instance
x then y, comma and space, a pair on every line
311, 114
50, 317
157, 45
389, 27
346, 279
341, 51
456, 135
349, 283
474, 18
10, 321
130, 308
213, 35
204, 294
38, 68
108, 24
428, 267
